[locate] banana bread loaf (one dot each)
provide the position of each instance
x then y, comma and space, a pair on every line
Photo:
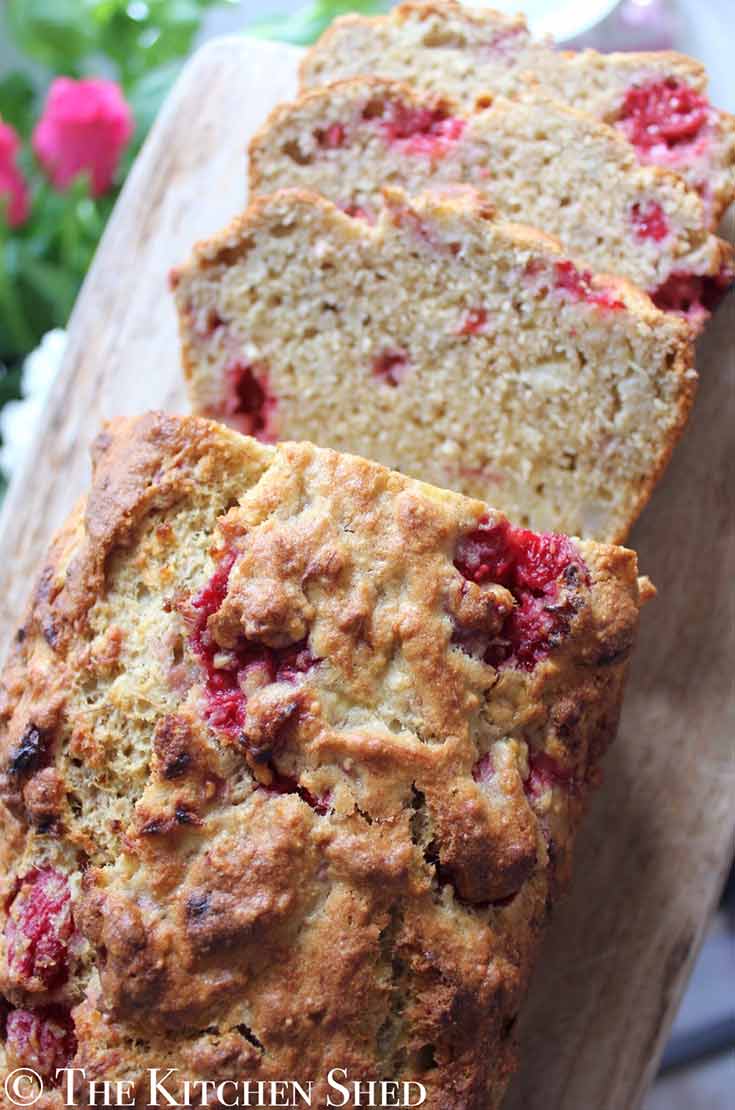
293, 751
460, 350
657, 100
537, 161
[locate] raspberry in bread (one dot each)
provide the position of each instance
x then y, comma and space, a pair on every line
657, 100
537, 161
460, 350
293, 751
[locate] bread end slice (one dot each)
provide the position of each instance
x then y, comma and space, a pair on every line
307, 789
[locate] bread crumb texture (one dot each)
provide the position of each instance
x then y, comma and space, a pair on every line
293, 753
657, 100
464, 351
536, 161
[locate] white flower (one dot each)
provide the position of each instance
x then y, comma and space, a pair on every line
19, 419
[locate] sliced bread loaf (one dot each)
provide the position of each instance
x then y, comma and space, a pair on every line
658, 100
444, 343
538, 161
279, 723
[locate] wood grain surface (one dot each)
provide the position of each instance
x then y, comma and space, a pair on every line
659, 836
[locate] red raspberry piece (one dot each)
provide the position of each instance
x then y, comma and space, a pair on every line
474, 322
332, 137
391, 366
529, 630
540, 559
43, 1040
356, 212
530, 565
573, 281
404, 122
293, 661
453, 129
286, 784
486, 554
649, 222
429, 131
665, 112
544, 774
209, 601
693, 294
249, 400
38, 930
483, 770
225, 704
577, 284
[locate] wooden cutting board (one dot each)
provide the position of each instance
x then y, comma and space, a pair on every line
659, 837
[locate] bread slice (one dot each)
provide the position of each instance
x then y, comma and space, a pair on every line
293, 753
537, 161
439, 341
658, 100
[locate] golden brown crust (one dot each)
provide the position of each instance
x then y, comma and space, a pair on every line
404, 12
673, 59
482, 19
357, 874
399, 14
687, 375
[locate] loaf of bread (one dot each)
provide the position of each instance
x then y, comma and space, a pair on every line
293, 750
460, 350
537, 161
657, 100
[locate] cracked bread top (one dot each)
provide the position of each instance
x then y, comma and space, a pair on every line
293, 752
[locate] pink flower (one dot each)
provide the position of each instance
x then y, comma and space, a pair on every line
13, 188
84, 127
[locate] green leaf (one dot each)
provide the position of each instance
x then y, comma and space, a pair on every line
334, 8
54, 32
148, 94
17, 99
156, 33
307, 24
140, 42
17, 336
301, 28
9, 384
56, 284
